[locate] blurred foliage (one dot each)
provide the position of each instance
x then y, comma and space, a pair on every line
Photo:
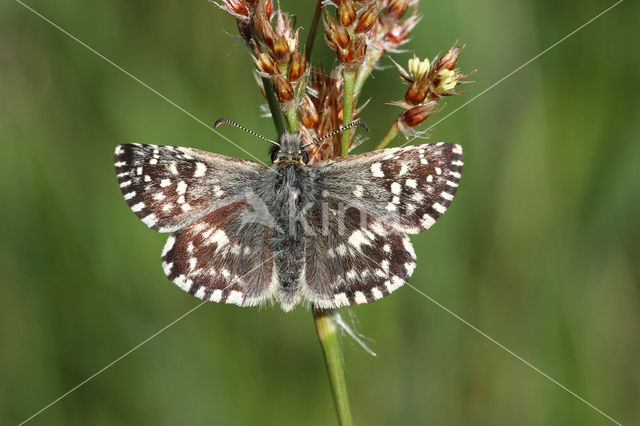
539, 250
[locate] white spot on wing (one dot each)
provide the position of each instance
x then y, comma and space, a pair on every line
165, 182
360, 297
376, 170
168, 245
235, 297
181, 188
411, 183
137, 207
358, 191
129, 195
396, 188
150, 220
439, 208
341, 299
200, 169
220, 238
377, 294
216, 295
358, 238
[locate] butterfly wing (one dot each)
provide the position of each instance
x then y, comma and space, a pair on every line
224, 257
363, 252
408, 188
169, 188
354, 259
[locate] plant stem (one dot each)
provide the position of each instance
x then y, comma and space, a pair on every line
348, 78
311, 37
292, 119
328, 335
391, 135
276, 114
364, 71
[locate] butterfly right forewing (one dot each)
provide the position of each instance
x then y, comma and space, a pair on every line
409, 188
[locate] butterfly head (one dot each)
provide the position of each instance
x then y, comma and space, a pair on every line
289, 150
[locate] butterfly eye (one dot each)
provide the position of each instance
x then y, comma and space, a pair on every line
305, 156
273, 153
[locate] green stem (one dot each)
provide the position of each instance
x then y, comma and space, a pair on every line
292, 119
349, 78
328, 335
311, 37
276, 114
391, 135
364, 71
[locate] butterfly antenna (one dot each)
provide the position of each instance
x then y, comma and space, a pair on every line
251, 132
340, 130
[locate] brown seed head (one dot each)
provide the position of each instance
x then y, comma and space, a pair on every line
417, 115
283, 89
308, 113
368, 18
418, 90
354, 54
297, 66
396, 9
337, 35
346, 12
449, 59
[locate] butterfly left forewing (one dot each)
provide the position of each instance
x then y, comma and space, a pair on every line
169, 187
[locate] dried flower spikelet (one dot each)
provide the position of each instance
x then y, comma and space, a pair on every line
368, 18
297, 66
444, 77
414, 116
347, 32
308, 112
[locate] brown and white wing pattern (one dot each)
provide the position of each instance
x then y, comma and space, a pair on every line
409, 188
170, 187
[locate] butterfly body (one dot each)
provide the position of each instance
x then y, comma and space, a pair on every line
330, 234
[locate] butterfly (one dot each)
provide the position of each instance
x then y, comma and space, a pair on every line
329, 234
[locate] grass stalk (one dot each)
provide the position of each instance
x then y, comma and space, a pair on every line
349, 78
327, 330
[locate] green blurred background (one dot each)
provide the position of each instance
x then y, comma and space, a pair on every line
539, 250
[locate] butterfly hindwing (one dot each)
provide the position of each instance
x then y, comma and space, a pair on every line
354, 259
409, 187
224, 257
169, 187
